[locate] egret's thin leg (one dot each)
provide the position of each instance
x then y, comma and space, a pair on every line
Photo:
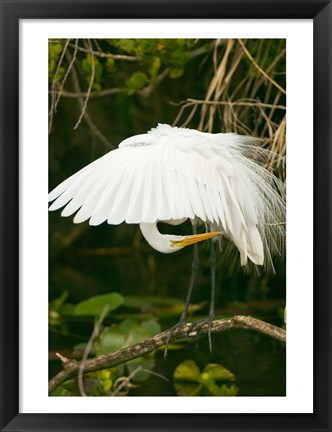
194, 270
212, 260
199, 324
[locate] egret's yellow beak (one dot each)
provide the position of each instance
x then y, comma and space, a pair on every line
191, 239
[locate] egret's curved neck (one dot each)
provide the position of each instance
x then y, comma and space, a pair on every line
160, 242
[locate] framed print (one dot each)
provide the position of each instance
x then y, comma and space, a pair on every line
158, 132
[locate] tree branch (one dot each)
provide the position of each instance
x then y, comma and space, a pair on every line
95, 131
93, 70
72, 367
95, 94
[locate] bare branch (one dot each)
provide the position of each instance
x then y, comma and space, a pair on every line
145, 91
125, 381
87, 117
240, 102
66, 75
71, 367
96, 94
102, 54
54, 93
88, 348
90, 86
195, 103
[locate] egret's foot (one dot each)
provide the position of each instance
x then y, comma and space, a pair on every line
177, 327
198, 325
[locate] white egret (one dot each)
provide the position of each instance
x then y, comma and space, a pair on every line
174, 174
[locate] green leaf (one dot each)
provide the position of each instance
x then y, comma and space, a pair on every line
154, 67
188, 371
110, 64
215, 378
175, 73
218, 372
60, 391
106, 384
128, 326
51, 66
188, 388
138, 334
87, 67
226, 390
127, 333
54, 50
136, 82
187, 379
127, 45
111, 339
95, 305
152, 327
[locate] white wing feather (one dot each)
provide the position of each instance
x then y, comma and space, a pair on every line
173, 173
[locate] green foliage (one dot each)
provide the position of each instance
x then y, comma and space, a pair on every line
113, 338
136, 82
110, 65
94, 66
129, 333
105, 379
55, 310
125, 334
215, 380
61, 391
95, 305
150, 58
54, 53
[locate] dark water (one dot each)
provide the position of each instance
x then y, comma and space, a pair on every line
258, 363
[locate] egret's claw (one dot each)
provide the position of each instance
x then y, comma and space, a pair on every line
194, 327
179, 326
198, 325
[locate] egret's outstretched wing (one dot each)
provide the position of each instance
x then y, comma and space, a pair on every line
172, 173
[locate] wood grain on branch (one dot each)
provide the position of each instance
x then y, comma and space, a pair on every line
72, 367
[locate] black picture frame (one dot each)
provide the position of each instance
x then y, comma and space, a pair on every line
11, 12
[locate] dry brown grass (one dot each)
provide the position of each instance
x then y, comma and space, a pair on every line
245, 94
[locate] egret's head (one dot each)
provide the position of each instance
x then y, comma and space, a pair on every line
167, 243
